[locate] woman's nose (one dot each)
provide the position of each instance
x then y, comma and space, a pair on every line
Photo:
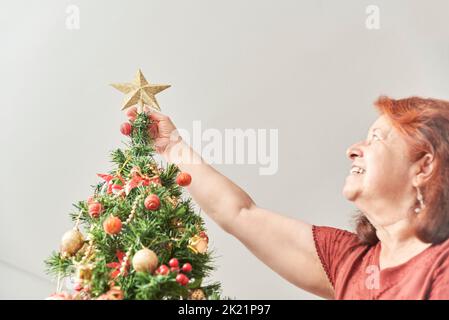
354, 151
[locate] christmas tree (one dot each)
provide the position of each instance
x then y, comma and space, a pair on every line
136, 237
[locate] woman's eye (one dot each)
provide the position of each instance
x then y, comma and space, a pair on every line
376, 137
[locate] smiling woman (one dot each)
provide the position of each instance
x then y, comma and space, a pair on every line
399, 181
423, 124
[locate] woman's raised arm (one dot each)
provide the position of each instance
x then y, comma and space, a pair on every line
285, 244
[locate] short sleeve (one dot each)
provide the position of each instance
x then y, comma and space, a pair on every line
440, 284
333, 246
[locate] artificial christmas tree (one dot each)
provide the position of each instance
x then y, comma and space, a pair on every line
136, 237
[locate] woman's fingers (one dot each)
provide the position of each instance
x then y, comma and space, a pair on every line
157, 116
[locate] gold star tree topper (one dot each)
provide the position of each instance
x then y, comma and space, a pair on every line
140, 92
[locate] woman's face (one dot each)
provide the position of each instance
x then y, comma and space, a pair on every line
381, 177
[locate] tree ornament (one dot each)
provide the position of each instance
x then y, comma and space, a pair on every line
110, 181
95, 209
172, 200
117, 189
154, 169
183, 179
140, 92
118, 265
173, 263
182, 279
177, 223
187, 267
134, 208
198, 244
135, 171
71, 242
138, 180
197, 294
112, 225
145, 260
126, 128
131, 113
152, 202
125, 262
163, 270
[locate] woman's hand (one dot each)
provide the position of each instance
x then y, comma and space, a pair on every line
163, 131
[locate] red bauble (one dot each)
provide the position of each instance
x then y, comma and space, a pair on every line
183, 179
152, 202
131, 113
163, 270
187, 267
174, 269
173, 263
95, 209
112, 225
126, 128
182, 279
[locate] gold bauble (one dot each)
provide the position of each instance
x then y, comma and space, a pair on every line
198, 244
145, 260
172, 200
71, 242
197, 294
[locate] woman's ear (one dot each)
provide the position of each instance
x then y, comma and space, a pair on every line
424, 170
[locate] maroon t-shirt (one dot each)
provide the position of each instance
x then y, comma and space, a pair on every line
353, 269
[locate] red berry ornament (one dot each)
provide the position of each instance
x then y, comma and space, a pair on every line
163, 270
173, 263
131, 113
112, 225
95, 209
182, 279
152, 202
187, 267
126, 128
183, 179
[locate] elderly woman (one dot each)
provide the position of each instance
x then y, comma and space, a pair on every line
399, 181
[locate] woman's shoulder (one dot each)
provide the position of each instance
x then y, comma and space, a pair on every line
337, 237
339, 244
439, 254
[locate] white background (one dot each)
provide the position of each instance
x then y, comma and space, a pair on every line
308, 68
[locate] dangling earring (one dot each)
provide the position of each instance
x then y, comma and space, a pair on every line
420, 199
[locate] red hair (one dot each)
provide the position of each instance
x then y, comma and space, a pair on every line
424, 124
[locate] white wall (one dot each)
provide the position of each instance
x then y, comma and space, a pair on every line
309, 68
